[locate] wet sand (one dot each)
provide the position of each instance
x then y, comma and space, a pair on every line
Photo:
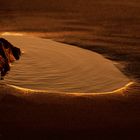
31, 114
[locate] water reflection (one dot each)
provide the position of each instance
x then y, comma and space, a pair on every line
50, 65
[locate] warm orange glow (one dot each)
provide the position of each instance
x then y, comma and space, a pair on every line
12, 33
26, 90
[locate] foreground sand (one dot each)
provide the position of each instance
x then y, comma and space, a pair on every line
31, 114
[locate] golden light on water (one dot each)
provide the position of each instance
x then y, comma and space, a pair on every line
26, 90
12, 33
50, 49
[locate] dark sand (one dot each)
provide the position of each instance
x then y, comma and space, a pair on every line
56, 115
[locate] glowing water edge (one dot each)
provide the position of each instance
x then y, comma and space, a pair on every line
49, 65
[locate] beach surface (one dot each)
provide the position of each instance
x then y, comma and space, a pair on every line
110, 28
28, 113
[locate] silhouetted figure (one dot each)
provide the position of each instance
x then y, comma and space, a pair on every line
8, 53
4, 64
7, 45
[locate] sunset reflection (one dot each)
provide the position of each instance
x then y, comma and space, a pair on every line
79, 75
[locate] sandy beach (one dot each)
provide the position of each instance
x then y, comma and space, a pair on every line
38, 114
106, 29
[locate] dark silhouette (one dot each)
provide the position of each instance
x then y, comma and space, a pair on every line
16, 51
6, 51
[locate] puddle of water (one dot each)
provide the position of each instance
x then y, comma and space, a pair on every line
49, 65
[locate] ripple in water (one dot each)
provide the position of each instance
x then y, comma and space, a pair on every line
49, 65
